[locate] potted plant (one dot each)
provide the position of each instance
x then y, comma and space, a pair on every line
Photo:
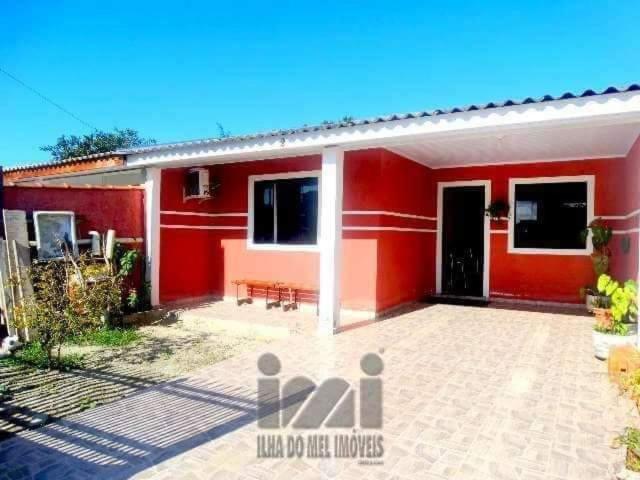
601, 235
497, 210
630, 439
615, 323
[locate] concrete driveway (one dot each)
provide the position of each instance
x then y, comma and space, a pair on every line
468, 393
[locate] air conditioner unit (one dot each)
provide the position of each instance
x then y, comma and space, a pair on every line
196, 183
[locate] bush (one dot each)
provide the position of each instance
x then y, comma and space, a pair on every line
67, 299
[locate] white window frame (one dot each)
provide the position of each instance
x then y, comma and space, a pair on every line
36, 224
588, 179
203, 184
279, 246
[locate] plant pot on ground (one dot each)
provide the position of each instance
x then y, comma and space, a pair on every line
615, 325
593, 299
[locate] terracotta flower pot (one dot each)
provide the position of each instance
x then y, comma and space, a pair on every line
603, 316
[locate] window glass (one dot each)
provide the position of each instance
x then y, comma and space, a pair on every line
263, 212
550, 215
286, 211
297, 207
192, 184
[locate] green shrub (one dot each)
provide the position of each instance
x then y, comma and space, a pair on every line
67, 300
108, 337
34, 355
631, 439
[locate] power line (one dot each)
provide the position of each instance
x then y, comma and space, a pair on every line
47, 99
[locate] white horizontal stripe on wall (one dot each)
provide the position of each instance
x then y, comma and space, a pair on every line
386, 212
500, 231
623, 232
202, 214
619, 217
390, 229
205, 227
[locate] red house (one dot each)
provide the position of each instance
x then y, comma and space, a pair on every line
379, 212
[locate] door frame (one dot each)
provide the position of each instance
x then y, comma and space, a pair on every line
487, 231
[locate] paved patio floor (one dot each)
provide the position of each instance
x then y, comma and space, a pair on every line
469, 393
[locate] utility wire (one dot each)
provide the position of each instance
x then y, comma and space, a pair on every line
47, 99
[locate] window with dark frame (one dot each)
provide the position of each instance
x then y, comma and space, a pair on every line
285, 211
550, 215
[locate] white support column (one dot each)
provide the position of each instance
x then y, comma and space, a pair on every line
152, 230
330, 239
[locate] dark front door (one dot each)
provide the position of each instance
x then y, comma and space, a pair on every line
463, 240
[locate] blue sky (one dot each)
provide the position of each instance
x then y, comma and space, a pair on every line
173, 70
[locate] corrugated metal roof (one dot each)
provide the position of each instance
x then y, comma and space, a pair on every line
381, 119
93, 156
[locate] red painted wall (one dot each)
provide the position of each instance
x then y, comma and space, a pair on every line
554, 277
625, 246
197, 263
384, 268
96, 208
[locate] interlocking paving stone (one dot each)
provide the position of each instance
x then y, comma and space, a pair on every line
469, 393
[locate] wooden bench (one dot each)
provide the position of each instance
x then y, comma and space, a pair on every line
251, 285
293, 290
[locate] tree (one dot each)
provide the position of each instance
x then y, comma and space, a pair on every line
96, 142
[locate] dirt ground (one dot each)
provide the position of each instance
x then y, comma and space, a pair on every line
166, 351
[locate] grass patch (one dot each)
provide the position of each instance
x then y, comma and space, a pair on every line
33, 355
108, 337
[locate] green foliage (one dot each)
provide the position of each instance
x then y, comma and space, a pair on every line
497, 209
222, 132
108, 337
126, 260
630, 439
607, 285
97, 142
34, 355
624, 306
630, 383
345, 119
600, 263
5, 392
66, 302
613, 328
87, 403
133, 300
600, 235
